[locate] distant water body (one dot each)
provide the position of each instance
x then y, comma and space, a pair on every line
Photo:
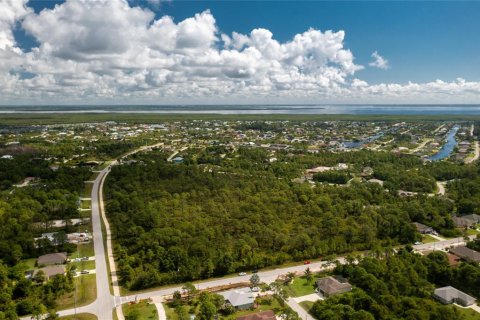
256, 109
447, 148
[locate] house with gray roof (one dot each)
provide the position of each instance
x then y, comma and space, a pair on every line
450, 294
51, 271
423, 229
475, 218
330, 286
466, 254
241, 299
460, 222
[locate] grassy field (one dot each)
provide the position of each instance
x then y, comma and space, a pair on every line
86, 213
264, 304
300, 287
140, 311
307, 305
55, 118
82, 265
471, 232
86, 293
85, 204
84, 250
170, 312
80, 316
30, 263
427, 239
468, 314
87, 191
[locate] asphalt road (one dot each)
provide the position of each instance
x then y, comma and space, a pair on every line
102, 307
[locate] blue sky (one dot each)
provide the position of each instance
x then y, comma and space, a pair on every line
422, 41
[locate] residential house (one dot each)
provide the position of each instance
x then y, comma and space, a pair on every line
449, 295
241, 299
52, 258
423, 229
475, 218
330, 286
461, 222
51, 271
466, 254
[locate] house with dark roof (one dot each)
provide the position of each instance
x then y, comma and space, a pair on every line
461, 222
475, 218
263, 315
423, 229
466, 254
51, 271
52, 258
241, 299
330, 286
450, 294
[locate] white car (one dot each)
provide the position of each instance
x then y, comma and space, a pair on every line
242, 274
255, 289
417, 243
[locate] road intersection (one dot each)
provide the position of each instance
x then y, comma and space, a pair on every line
105, 302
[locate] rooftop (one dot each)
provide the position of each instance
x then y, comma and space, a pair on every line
239, 297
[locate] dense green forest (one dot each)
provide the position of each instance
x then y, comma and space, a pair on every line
53, 195
398, 287
178, 223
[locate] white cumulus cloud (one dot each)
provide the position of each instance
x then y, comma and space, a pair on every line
379, 61
108, 51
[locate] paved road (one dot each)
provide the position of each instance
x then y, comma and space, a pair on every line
476, 154
102, 307
302, 313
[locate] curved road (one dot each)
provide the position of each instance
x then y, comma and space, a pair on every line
105, 302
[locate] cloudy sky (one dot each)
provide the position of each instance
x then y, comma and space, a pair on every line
235, 52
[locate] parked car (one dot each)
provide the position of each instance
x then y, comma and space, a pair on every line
417, 243
255, 289
84, 272
306, 262
242, 274
85, 258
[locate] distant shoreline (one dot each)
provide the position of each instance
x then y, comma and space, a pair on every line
23, 119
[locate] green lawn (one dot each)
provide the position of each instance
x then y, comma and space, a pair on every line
30, 263
140, 311
307, 305
80, 316
300, 287
87, 191
82, 265
170, 312
86, 293
264, 304
85, 213
83, 250
472, 232
468, 314
427, 239
93, 176
85, 204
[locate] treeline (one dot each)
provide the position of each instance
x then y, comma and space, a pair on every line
13, 171
338, 177
177, 223
54, 196
36, 297
398, 286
